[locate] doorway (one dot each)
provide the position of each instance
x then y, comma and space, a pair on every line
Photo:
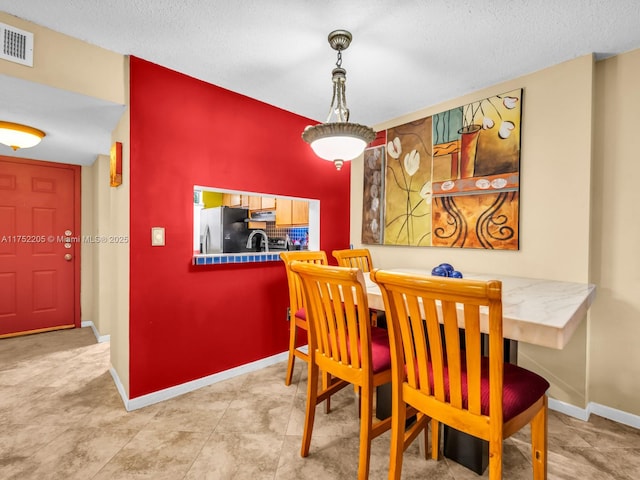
39, 246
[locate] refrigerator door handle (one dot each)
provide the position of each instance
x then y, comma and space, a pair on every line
206, 240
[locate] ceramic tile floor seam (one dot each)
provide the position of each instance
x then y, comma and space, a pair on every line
115, 454
285, 435
26, 459
195, 459
211, 434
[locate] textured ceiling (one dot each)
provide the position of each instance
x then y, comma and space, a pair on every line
405, 55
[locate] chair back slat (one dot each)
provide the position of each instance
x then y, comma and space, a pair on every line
473, 350
435, 350
452, 345
336, 300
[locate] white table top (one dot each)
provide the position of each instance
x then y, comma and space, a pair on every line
540, 312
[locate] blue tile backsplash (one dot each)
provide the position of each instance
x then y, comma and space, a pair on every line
226, 258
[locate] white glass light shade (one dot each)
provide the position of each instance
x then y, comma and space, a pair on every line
338, 148
338, 142
18, 136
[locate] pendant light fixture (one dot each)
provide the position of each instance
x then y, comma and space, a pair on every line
339, 140
17, 136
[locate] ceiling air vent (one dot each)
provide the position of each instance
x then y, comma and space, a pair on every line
16, 45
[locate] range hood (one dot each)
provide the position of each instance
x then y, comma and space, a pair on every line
263, 216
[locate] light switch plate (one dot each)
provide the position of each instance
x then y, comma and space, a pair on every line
157, 236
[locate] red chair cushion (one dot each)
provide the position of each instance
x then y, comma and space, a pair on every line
301, 314
380, 349
521, 388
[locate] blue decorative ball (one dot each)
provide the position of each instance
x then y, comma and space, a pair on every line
439, 272
455, 274
448, 267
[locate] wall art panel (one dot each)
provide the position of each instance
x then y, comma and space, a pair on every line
373, 199
453, 179
407, 217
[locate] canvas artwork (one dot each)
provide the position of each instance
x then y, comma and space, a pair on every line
408, 174
476, 180
453, 179
372, 202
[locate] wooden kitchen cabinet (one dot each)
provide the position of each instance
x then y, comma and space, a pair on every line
232, 199
261, 203
268, 203
291, 213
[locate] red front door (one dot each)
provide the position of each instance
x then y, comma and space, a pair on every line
39, 246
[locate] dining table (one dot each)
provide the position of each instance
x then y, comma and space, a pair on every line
535, 311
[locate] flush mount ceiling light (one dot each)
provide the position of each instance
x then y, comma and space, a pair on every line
18, 136
340, 140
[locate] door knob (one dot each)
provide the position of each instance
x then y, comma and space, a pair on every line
68, 257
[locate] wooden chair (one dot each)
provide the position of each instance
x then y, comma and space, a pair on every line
297, 313
360, 258
481, 396
336, 297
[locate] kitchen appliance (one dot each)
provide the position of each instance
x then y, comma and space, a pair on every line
223, 230
263, 216
279, 243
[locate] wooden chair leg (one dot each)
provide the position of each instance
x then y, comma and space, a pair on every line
366, 431
425, 439
358, 393
495, 459
292, 346
312, 396
326, 381
435, 439
539, 443
398, 421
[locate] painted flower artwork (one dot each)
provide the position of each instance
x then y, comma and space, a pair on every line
453, 179
407, 219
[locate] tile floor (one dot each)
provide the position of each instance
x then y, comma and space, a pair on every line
62, 418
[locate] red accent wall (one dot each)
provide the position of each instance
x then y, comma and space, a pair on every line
187, 322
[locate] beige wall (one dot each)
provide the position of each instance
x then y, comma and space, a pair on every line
105, 265
614, 329
117, 259
87, 260
578, 222
554, 217
81, 68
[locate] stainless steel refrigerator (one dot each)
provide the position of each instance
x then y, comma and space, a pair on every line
223, 230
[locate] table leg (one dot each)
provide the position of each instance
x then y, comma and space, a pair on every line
383, 401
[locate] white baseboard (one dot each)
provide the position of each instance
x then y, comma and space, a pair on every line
167, 393
568, 409
99, 338
616, 415
613, 414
